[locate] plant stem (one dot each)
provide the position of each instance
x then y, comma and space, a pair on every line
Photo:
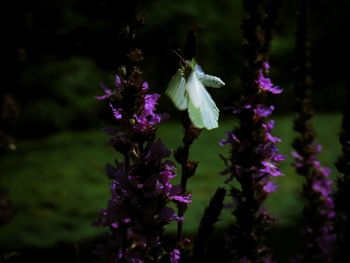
185, 167
190, 134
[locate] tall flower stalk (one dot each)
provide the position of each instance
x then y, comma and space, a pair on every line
191, 133
254, 157
343, 191
319, 208
9, 112
141, 188
187, 91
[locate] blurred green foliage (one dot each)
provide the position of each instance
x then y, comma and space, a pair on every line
61, 96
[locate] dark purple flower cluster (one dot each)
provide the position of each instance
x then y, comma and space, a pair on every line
266, 150
144, 119
141, 189
342, 194
253, 161
319, 212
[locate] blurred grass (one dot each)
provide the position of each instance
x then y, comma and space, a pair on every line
58, 185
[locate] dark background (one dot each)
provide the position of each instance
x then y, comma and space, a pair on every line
55, 53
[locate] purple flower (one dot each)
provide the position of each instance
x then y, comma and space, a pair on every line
323, 187
175, 256
145, 86
168, 215
278, 157
270, 187
270, 169
116, 112
261, 111
268, 127
107, 92
266, 66
115, 225
150, 103
231, 139
182, 199
147, 118
117, 82
176, 194
265, 84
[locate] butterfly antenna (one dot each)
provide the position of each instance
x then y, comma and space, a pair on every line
179, 55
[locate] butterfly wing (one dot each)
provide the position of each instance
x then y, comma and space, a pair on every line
195, 115
176, 91
209, 111
193, 88
201, 107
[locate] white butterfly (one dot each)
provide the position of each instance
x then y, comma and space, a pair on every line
191, 94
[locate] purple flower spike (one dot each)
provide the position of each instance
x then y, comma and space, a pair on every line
318, 211
252, 163
141, 187
318, 229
